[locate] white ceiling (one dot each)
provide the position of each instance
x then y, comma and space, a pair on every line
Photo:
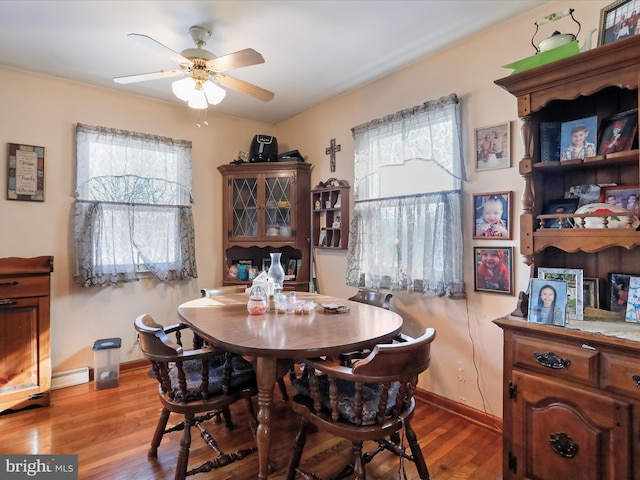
313, 49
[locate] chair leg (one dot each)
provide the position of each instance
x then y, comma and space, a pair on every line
298, 446
283, 390
185, 444
253, 420
159, 433
358, 464
418, 458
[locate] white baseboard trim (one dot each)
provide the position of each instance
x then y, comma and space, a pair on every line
69, 378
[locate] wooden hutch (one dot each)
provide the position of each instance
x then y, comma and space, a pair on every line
572, 395
266, 209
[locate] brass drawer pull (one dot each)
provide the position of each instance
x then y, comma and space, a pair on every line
551, 360
7, 302
636, 378
9, 284
563, 445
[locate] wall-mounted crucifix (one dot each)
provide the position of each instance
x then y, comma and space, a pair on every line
331, 151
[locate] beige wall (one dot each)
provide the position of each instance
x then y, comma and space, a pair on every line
467, 355
38, 110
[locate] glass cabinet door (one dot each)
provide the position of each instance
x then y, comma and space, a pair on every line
245, 207
278, 199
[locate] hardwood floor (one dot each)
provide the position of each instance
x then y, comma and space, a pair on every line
110, 431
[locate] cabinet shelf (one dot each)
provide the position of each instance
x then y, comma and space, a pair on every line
330, 206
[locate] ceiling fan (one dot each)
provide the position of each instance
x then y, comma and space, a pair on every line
204, 72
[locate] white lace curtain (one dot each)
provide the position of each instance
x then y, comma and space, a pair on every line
133, 207
413, 242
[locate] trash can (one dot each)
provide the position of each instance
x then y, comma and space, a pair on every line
106, 363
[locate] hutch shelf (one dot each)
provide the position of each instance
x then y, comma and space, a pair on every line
572, 394
266, 209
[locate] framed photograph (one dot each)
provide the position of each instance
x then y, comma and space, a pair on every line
547, 301
574, 293
292, 267
266, 263
619, 291
591, 292
493, 214
633, 302
25, 174
625, 196
493, 147
550, 141
618, 20
493, 270
561, 206
618, 132
578, 138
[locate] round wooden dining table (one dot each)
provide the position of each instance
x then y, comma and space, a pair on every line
224, 321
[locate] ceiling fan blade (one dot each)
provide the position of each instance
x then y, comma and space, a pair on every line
243, 58
143, 77
244, 87
156, 45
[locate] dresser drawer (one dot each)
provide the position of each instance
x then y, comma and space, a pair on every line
21, 286
557, 359
620, 374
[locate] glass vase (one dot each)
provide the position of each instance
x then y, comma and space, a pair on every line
276, 272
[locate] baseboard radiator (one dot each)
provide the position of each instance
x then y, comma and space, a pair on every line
69, 378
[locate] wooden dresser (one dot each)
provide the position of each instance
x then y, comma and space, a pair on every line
572, 395
25, 346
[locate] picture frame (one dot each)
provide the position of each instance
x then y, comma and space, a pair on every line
266, 263
553, 314
619, 290
570, 152
493, 270
625, 196
633, 302
25, 172
497, 208
613, 19
591, 292
618, 132
561, 205
574, 301
493, 147
550, 135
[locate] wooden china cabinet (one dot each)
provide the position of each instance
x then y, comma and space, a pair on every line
572, 394
266, 209
25, 347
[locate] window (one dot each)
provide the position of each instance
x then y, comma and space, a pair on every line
133, 207
406, 232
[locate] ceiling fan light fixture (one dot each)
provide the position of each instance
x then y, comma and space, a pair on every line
198, 99
184, 88
214, 93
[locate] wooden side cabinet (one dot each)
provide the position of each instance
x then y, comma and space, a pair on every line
25, 346
571, 404
330, 215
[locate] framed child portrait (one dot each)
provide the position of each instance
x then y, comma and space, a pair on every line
547, 301
619, 291
591, 292
578, 139
493, 214
493, 147
618, 132
625, 196
493, 270
560, 206
633, 301
573, 277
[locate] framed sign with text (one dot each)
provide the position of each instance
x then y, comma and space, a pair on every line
25, 175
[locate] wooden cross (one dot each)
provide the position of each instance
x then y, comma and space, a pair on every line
331, 150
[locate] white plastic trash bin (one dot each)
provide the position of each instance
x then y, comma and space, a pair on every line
106, 362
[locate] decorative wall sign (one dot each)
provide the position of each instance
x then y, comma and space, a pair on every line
25, 172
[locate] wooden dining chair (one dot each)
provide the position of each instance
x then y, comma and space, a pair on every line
373, 400
370, 297
193, 382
